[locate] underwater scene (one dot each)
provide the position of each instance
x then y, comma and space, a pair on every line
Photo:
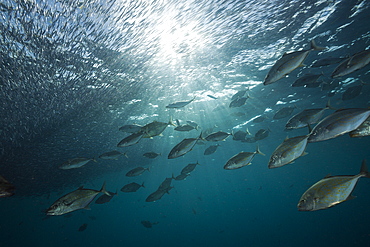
184, 123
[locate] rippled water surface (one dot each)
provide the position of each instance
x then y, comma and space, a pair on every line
73, 72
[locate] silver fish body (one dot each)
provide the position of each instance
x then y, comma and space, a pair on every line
287, 63
217, 136
352, 64
330, 191
288, 151
183, 147
130, 140
136, 171
305, 117
241, 159
75, 163
338, 123
112, 155
78, 199
180, 104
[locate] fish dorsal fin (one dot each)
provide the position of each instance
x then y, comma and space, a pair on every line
350, 197
286, 138
328, 176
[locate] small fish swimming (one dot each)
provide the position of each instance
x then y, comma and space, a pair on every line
238, 94
306, 80
241, 159
189, 168
307, 117
6, 188
238, 102
262, 134
351, 64
181, 176
239, 135
183, 147
180, 104
166, 184
330, 191
211, 149
155, 128
338, 123
290, 150
217, 136
136, 171
78, 199
259, 119
132, 187
156, 195
352, 92
184, 127
112, 155
130, 128
148, 224
284, 112
82, 227
75, 163
289, 62
130, 140
105, 198
151, 155
327, 61
211, 96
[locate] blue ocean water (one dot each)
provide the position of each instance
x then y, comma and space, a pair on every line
73, 72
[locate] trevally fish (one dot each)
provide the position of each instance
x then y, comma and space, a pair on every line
352, 92
306, 80
183, 147
189, 168
238, 102
6, 188
362, 130
182, 176
288, 151
78, 199
238, 94
338, 123
262, 134
130, 140
284, 112
180, 104
75, 163
151, 155
166, 184
327, 61
130, 128
105, 198
184, 127
112, 155
307, 117
351, 64
155, 128
239, 135
194, 124
241, 159
211, 149
259, 119
132, 187
217, 136
289, 62
136, 171
330, 191
156, 195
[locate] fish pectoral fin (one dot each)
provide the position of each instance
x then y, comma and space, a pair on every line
304, 153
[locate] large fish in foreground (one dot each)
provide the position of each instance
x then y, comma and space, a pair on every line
351, 64
338, 123
362, 130
78, 199
330, 191
289, 62
6, 188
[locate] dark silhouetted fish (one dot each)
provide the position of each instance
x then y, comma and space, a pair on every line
261, 134
189, 168
148, 224
132, 187
352, 92
238, 102
351, 64
211, 149
306, 80
327, 61
180, 104
82, 227
284, 112
105, 198
137, 171
151, 155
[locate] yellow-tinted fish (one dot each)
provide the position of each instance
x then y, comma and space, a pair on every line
241, 159
330, 191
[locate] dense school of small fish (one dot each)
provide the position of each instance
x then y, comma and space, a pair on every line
324, 194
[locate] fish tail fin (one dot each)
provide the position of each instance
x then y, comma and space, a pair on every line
142, 185
103, 190
201, 136
197, 163
125, 154
148, 169
171, 122
329, 106
173, 176
315, 47
259, 151
364, 171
